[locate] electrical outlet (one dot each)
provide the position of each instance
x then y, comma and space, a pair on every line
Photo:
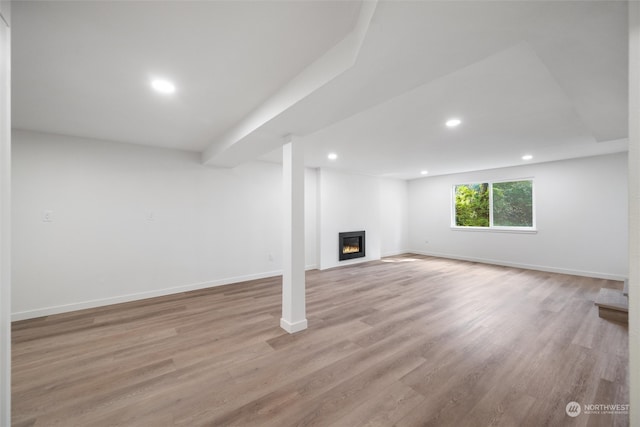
151, 216
47, 216
270, 257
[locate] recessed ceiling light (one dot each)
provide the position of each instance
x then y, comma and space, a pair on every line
527, 157
453, 122
163, 86
332, 156
424, 172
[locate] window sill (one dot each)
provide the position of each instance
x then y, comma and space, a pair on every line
513, 230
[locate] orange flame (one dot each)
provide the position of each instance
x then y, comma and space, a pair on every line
350, 249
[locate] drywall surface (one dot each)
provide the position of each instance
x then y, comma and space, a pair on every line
581, 211
100, 222
394, 216
310, 214
347, 202
353, 202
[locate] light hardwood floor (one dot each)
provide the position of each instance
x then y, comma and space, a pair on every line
407, 341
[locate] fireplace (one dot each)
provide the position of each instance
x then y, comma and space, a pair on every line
350, 245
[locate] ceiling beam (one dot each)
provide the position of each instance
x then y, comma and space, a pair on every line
234, 146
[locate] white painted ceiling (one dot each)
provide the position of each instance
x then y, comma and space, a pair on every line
83, 67
541, 78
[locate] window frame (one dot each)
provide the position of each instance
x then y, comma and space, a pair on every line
491, 227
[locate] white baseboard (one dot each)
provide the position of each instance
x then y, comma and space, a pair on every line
48, 311
345, 263
292, 328
594, 274
396, 253
365, 259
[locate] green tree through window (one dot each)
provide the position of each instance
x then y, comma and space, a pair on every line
510, 202
513, 204
472, 205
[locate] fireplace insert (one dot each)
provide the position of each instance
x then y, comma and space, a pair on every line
351, 245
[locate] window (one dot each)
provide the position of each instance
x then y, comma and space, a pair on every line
472, 205
494, 205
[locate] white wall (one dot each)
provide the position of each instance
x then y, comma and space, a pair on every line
394, 217
310, 214
132, 222
347, 202
581, 209
353, 202
5, 214
5, 12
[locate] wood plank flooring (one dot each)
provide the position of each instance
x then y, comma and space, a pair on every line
406, 341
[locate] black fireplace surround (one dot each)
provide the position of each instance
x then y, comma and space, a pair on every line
351, 245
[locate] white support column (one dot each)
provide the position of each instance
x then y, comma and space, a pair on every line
293, 286
634, 212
